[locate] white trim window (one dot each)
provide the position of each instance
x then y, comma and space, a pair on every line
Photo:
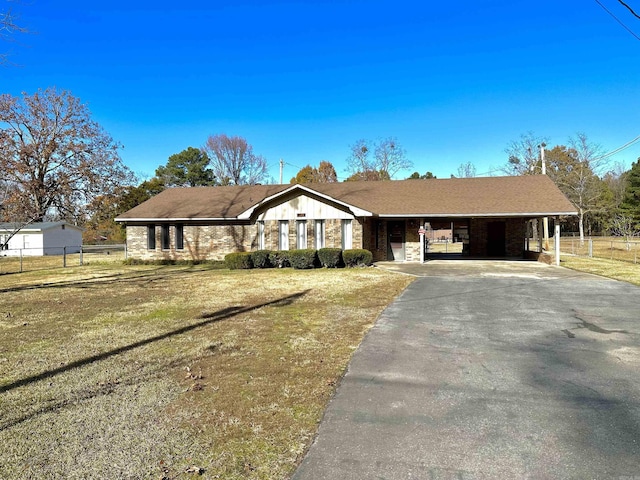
347, 234
301, 234
319, 234
260, 235
283, 235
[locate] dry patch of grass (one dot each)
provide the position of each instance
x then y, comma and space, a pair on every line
143, 372
618, 270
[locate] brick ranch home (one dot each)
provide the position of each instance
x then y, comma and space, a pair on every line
489, 214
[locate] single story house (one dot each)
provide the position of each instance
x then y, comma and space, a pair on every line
489, 214
41, 238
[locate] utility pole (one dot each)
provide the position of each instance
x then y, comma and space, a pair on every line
281, 170
545, 220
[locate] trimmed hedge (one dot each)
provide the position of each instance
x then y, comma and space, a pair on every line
357, 257
330, 257
303, 258
263, 259
238, 260
280, 258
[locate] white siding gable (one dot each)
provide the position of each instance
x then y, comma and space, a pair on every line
303, 206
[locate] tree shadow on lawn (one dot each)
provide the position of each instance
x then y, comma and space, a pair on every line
207, 318
138, 277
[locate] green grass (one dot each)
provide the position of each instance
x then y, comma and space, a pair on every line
112, 371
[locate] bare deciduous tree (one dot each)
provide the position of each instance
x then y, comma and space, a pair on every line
524, 155
233, 161
388, 159
53, 158
391, 157
626, 227
9, 26
466, 170
574, 170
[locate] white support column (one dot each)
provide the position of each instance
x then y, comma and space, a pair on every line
422, 248
556, 241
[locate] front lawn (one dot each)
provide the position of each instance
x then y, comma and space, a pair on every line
111, 371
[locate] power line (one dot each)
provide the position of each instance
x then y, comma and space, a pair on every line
618, 20
629, 8
623, 147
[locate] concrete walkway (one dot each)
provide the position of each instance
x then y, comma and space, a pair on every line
510, 370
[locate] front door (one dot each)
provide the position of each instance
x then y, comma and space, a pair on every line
395, 250
496, 239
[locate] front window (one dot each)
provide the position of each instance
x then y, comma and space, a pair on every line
260, 235
284, 235
301, 234
165, 236
151, 237
179, 236
319, 234
347, 239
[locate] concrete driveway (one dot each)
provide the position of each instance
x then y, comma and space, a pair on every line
510, 370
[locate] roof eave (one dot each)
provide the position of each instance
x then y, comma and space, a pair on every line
173, 219
478, 215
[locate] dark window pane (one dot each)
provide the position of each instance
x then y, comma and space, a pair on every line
179, 237
151, 237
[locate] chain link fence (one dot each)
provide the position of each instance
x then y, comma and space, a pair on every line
32, 259
613, 248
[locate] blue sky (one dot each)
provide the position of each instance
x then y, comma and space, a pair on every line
454, 82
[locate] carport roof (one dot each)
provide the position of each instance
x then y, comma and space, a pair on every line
523, 196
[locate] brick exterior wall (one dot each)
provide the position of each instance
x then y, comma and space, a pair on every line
515, 229
213, 242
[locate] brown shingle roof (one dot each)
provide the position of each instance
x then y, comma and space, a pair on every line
530, 195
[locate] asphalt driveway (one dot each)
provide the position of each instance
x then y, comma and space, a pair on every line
516, 370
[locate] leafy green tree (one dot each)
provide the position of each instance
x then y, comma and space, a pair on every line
368, 176
325, 173
631, 203
101, 226
188, 168
417, 176
306, 174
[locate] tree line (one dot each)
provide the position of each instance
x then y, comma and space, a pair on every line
56, 163
607, 197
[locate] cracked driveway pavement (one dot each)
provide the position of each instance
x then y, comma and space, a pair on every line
490, 370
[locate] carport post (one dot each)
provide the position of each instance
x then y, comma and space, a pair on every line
540, 235
556, 238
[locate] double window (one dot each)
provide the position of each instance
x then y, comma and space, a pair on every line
165, 236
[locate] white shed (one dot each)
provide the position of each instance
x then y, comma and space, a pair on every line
37, 239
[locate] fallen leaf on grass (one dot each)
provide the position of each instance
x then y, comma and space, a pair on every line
194, 469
